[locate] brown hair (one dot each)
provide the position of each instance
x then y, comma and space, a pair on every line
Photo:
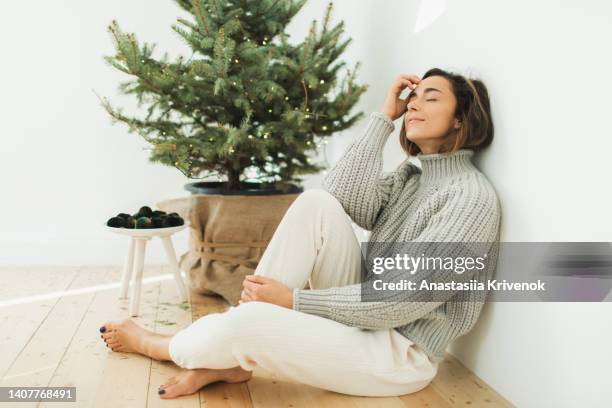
473, 110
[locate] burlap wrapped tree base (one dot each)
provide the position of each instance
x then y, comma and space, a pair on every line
228, 236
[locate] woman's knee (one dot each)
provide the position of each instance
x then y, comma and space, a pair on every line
316, 195
316, 198
249, 312
254, 320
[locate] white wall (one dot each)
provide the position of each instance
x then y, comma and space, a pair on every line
64, 169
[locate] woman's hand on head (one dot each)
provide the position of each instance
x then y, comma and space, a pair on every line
393, 106
265, 289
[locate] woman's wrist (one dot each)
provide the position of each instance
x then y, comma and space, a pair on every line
385, 117
290, 303
387, 114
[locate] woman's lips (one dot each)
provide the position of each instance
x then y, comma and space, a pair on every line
415, 120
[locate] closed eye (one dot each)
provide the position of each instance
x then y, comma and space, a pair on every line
431, 99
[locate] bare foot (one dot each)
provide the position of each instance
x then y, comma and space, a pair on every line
190, 381
127, 336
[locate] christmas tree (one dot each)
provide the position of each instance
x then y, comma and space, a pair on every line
246, 98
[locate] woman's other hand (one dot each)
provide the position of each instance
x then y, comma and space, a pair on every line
265, 289
393, 106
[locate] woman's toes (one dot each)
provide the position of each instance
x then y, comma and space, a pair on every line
117, 348
188, 382
110, 339
174, 390
108, 327
113, 345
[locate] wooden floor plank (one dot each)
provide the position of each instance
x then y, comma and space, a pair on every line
41, 355
374, 402
267, 392
18, 282
223, 395
427, 397
86, 354
172, 316
460, 387
125, 379
19, 322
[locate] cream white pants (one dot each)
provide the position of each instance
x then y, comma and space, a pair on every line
315, 243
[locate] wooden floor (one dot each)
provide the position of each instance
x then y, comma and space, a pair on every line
54, 341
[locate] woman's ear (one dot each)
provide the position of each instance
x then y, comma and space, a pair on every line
457, 124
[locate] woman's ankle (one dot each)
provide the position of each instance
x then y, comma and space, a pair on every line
236, 374
156, 346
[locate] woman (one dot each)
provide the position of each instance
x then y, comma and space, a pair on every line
325, 336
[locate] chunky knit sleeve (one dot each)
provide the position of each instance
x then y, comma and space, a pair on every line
469, 216
357, 180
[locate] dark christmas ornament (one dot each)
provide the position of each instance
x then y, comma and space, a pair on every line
145, 211
170, 222
157, 222
130, 222
158, 213
123, 215
143, 222
116, 222
167, 222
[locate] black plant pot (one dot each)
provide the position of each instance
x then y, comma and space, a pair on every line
249, 188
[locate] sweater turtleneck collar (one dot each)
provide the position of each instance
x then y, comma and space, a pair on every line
435, 166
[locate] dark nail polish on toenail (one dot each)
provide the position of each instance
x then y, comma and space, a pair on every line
102, 329
160, 392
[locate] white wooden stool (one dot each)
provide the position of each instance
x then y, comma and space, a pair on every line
138, 244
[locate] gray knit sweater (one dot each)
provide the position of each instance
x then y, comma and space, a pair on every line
447, 199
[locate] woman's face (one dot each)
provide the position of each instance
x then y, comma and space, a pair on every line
429, 118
